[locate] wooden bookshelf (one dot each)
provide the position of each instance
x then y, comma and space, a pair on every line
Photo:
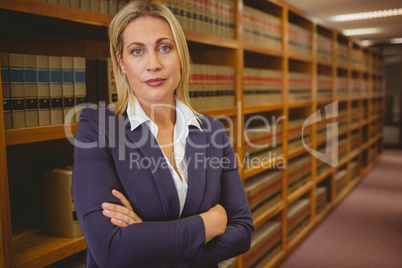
83, 33
36, 134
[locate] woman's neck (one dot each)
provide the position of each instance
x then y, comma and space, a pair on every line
162, 114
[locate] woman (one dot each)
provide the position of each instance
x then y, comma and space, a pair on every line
156, 184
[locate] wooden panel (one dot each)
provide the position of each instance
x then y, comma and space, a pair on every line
35, 134
56, 11
40, 250
5, 224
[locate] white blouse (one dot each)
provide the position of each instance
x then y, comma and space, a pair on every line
184, 118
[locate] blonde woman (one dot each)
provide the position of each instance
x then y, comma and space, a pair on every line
155, 183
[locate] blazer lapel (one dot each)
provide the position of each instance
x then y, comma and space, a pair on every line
196, 161
150, 150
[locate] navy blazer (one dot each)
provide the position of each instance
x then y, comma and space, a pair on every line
128, 161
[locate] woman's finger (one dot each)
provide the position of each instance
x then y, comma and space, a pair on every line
118, 223
118, 216
122, 199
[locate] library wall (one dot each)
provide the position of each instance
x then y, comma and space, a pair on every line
255, 63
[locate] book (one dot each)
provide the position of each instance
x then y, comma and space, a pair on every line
112, 90
16, 69
43, 90
95, 5
5, 83
68, 89
80, 91
112, 7
85, 4
60, 216
56, 91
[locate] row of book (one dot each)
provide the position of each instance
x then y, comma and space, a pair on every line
354, 140
342, 87
354, 169
343, 121
342, 148
375, 128
262, 29
212, 17
324, 87
212, 86
299, 86
341, 181
39, 90
263, 191
373, 153
261, 146
297, 135
321, 197
342, 55
262, 86
377, 85
321, 129
266, 243
299, 172
108, 7
324, 48
357, 58
46, 90
300, 40
322, 165
356, 115
298, 217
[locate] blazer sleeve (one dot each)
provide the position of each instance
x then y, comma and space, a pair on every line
237, 237
147, 244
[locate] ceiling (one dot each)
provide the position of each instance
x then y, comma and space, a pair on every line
321, 10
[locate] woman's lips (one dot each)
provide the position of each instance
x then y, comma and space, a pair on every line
155, 82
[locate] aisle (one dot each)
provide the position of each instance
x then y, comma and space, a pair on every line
365, 230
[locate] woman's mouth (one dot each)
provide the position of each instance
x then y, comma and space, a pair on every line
155, 82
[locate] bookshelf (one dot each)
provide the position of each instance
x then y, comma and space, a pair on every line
333, 68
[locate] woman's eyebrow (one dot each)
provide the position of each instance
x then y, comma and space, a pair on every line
156, 42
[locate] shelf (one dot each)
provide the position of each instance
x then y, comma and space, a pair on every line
268, 163
324, 101
343, 132
211, 40
293, 56
342, 99
40, 249
354, 154
231, 111
55, 11
260, 108
298, 104
324, 175
262, 50
342, 66
299, 238
324, 63
298, 151
299, 192
36, 134
268, 214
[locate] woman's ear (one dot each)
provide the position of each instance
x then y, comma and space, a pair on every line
120, 62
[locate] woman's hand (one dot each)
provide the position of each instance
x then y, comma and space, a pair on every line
121, 216
215, 221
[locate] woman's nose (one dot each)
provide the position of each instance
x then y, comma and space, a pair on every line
153, 62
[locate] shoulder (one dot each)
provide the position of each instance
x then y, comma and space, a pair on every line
209, 123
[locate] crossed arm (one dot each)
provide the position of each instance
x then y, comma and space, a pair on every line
198, 240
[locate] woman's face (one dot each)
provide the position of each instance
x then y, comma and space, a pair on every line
151, 60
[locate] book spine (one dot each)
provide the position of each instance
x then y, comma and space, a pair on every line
112, 7
104, 7
68, 89
64, 3
17, 89
94, 6
31, 91
43, 90
85, 4
5, 83
56, 91
80, 91
75, 3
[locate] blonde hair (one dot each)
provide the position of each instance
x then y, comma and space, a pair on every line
130, 12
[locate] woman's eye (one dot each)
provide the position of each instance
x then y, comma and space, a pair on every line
137, 52
165, 48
